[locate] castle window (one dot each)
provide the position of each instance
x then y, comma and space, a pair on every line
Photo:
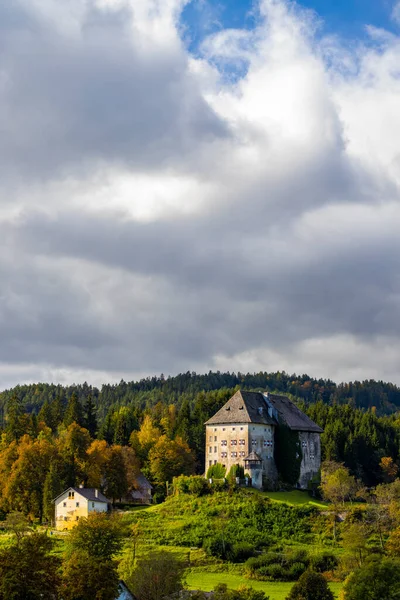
223, 442
210, 449
215, 429
304, 444
210, 438
254, 442
215, 462
223, 429
209, 463
215, 438
233, 454
233, 442
312, 456
215, 448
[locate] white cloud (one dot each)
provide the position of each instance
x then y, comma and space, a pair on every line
159, 214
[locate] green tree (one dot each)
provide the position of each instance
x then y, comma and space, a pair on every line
115, 474
29, 570
16, 420
52, 488
90, 420
88, 578
310, 586
73, 412
99, 535
221, 592
377, 579
155, 576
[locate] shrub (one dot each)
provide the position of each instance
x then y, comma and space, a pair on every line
324, 562
311, 586
217, 471
198, 486
234, 472
242, 551
276, 572
296, 570
218, 547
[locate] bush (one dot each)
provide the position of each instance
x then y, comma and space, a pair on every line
242, 551
324, 562
195, 485
218, 547
311, 586
198, 486
296, 570
217, 471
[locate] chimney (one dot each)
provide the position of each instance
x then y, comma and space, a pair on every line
96, 493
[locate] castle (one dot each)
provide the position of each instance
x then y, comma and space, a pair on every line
245, 432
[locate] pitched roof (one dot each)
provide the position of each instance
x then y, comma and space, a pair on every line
243, 407
251, 407
253, 456
291, 415
142, 482
88, 493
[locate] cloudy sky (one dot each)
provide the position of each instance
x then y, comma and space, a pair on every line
195, 186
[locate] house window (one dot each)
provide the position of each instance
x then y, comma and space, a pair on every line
64, 504
93, 502
223, 429
233, 429
241, 429
77, 504
215, 429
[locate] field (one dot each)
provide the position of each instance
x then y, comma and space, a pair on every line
206, 581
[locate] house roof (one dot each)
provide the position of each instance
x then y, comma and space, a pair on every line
291, 415
142, 482
251, 407
253, 456
243, 407
88, 493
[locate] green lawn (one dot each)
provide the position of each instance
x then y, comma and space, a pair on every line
205, 581
295, 498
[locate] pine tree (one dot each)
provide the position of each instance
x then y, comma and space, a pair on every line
15, 419
90, 416
73, 413
52, 488
46, 415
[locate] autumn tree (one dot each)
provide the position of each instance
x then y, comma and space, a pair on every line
96, 459
170, 458
145, 439
115, 475
389, 469
337, 484
354, 539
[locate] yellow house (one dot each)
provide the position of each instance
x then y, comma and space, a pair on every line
76, 503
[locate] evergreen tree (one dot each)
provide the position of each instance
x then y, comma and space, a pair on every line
52, 488
46, 415
90, 416
16, 422
73, 413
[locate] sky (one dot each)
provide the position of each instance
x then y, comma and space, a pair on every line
199, 185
